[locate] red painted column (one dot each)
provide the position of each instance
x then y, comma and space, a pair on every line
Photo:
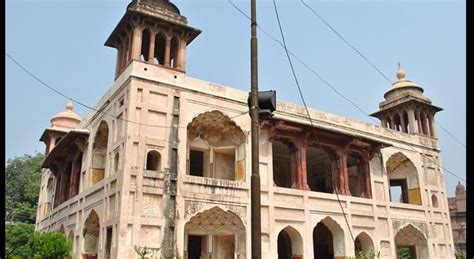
293, 165
343, 176
302, 173
367, 190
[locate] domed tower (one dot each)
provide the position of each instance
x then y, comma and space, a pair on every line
61, 124
152, 31
406, 109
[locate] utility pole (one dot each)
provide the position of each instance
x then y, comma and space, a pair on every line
254, 110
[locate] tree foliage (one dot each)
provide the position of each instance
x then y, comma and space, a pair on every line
16, 239
22, 182
51, 245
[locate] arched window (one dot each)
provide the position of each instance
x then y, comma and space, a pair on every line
403, 179
153, 160
99, 154
355, 170
320, 165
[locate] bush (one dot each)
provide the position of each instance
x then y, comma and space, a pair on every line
16, 239
52, 245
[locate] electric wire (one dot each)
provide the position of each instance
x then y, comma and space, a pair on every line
89, 107
367, 60
326, 83
306, 107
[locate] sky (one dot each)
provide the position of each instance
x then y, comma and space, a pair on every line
62, 43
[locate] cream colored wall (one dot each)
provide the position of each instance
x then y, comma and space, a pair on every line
140, 221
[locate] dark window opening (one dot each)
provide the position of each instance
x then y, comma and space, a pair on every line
356, 174
398, 190
406, 252
284, 246
153, 161
320, 166
322, 242
281, 164
108, 243
194, 247
196, 163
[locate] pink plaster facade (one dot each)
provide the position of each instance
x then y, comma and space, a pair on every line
170, 170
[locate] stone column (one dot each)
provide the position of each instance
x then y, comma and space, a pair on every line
383, 121
210, 244
181, 62
151, 49
137, 42
420, 129
423, 123
301, 173
411, 120
432, 125
343, 175
366, 169
119, 59
392, 123
167, 51
293, 166
402, 122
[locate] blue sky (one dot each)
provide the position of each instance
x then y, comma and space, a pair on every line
62, 42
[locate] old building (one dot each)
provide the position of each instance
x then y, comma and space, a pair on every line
457, 211
164, 163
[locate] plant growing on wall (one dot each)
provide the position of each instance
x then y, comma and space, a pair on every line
366, 255
142, 252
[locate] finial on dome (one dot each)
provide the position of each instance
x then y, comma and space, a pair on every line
400, 72
69, 105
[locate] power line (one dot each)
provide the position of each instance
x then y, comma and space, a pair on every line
306, 107
89, 107
330, 85
366, 59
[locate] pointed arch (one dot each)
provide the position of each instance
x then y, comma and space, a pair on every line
91, 233
99, 153
412, 239
434, 201
363, 242
216, 147
61, 229
222, 229
403, 179
328, 238
289, 243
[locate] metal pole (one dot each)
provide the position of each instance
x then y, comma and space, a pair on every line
255, 178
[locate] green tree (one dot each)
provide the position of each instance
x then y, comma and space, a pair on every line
16, 239
53, 245
22, 182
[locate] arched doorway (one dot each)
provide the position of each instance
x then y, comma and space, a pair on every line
91, 236
363, 243
328, 239
290, 244
215, 233
403, 180
410, 241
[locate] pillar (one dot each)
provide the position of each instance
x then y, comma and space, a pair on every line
383, 121
420, 129
411, 120
392, 123
136, 48
181, 55
151, 49
300, 159
423, 123
432, 125
402, 122
343, 175
210, 244
119, 59
293, 165
167, 51
367, 182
